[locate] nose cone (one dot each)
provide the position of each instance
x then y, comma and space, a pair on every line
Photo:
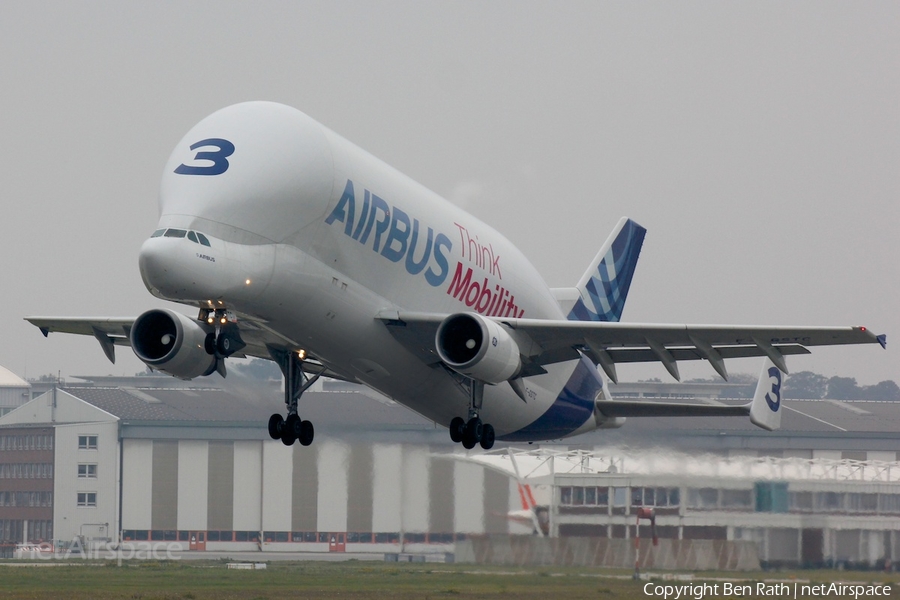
188, 266
176, 268
156, 262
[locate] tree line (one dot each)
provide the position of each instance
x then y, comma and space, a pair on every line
808, 385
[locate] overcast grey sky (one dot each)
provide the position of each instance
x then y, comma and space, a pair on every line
758, 142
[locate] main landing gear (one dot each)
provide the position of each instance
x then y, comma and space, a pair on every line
473, 431
296, 381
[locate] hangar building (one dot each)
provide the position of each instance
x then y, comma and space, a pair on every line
153, 459
14, 391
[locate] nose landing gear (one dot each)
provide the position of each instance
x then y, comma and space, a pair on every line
474, 431
296, 381
225, 340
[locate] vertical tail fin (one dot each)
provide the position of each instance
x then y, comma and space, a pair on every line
526, 497
604, 286
765, 410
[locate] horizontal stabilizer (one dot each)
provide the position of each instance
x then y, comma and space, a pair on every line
645, 408
764, 410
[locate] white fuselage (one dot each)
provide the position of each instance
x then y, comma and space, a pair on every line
314, 237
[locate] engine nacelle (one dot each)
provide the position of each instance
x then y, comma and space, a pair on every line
172, 343
478, 348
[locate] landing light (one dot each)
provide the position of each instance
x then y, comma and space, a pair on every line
210, 319
223, 320
247, 282
301, 354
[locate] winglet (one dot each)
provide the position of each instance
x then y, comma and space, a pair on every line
882, 339
765, 410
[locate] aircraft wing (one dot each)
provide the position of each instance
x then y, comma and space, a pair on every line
115, 331
543, 342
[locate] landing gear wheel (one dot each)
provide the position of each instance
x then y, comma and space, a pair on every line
276, 426
457, 427
289, 430
487, 437
472, 433
475, 429
306, 433
223, 345
209, 344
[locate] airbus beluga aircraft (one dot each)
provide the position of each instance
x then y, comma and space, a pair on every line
297, 246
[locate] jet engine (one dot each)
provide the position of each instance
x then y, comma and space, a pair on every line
478, 348
172, 343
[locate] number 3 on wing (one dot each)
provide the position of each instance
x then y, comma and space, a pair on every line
219, 158
775, 404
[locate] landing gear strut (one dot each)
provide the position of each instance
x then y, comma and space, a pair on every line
296, 381
472, 431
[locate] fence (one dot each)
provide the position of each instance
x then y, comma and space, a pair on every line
717, 555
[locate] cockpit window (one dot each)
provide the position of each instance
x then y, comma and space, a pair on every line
193, 237
203, 239
176, 233
158, 233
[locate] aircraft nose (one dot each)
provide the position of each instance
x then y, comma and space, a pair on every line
154, 263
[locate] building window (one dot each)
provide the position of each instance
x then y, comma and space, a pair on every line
829, 501
703, 498
577, 496
584, 496
87, 471
801, 501
737, 499
87, 499
87, 442
654, 497
890, 503
866, 503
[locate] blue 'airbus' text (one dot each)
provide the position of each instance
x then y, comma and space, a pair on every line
388, 231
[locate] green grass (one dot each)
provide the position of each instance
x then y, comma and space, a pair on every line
196, 580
